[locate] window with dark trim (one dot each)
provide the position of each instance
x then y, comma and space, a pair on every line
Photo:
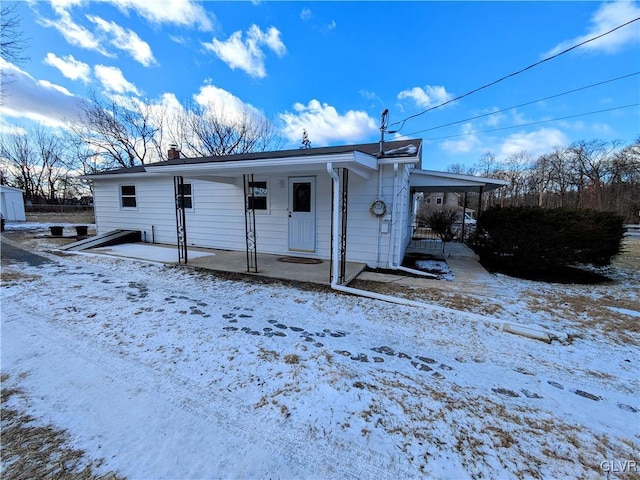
184, 191
257, 196
128, 196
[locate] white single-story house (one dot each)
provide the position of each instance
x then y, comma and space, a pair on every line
12, 203
343, 203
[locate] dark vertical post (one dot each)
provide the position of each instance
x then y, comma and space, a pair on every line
343, 220
464, 213
181, 219
479, 214
250, 223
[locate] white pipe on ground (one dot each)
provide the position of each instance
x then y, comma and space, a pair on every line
388, 298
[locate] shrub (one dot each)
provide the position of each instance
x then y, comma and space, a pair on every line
533, 239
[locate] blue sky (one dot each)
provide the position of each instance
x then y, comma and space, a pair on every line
332, 68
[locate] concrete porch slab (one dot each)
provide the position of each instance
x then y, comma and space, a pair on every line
234, 262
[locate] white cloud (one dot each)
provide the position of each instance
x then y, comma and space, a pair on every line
177, 12
248, 54
113, 80
534, 143
75, 34
126, 40
462, 145
325, 125
37, 100
426, 97
306, 14
607, 17
226, 105
69, 67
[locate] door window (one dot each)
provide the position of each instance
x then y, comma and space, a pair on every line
302, 197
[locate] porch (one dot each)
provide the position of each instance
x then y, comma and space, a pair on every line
279, 267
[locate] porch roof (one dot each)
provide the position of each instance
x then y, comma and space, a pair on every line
358, 162
362, 159
433, 181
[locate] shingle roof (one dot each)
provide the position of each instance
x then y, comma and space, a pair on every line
398, 148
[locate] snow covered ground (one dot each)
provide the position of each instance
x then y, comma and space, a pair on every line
165, 372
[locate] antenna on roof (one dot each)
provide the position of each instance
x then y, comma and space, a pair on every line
384, 120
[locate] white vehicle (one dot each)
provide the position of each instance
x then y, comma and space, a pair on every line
468, 220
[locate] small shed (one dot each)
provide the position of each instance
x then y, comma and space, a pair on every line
12, 203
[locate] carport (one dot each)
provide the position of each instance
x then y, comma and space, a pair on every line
429, 181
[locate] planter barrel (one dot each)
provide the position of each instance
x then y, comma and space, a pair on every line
56, 231
81, 230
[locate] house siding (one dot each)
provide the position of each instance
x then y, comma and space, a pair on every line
216, 219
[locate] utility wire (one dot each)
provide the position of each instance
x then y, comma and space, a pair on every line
510, 75
523, 104
535, 123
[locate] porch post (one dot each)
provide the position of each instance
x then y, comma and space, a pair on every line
181, 219
479, 214
464, 212
344, 204
250, 223
339, 228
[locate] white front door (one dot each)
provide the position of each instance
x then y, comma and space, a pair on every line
302, 214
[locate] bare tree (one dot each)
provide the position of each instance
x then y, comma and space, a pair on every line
122, 134
21, 163
560, 166
35, 161
213, 131
12, 41
514, 170
306, 143
593, 162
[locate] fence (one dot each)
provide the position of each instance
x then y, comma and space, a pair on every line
58, 208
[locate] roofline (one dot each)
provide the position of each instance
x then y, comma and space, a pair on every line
460, 176
363, 157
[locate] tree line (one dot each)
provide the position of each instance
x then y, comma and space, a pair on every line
596, 174
119, 133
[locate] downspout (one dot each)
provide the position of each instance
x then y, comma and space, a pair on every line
396, 234
335, 235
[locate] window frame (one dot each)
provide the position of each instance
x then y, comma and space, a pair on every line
122, 196
266, 196
190, 196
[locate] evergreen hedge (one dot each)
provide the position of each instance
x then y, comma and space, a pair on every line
534, 239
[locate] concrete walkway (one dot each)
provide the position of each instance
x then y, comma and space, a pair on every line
469, 275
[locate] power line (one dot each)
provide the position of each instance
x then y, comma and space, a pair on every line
511, 75
535, 123
524, 104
